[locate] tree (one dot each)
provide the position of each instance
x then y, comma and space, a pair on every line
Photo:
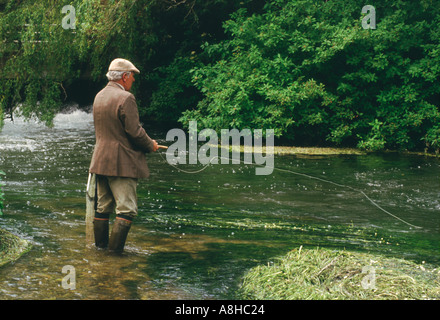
41, 61
309, 70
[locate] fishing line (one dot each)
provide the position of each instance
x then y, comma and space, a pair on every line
303, 175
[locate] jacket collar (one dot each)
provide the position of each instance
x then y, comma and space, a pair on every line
115, 85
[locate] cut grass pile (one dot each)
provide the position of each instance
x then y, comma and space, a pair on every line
11, 247
324, 274
285, 150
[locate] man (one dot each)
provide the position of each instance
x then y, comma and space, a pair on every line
119, 157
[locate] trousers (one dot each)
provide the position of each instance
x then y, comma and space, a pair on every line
116, 194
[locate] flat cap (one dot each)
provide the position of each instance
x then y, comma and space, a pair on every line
122, 65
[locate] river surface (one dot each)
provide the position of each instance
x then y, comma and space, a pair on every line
197, 234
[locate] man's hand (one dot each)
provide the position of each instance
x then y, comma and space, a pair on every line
155, 146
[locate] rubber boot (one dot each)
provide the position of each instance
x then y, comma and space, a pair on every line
120, 230
101, 230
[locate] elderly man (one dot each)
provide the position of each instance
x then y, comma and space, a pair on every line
119, 156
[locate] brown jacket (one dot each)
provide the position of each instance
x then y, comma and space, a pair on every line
121, 142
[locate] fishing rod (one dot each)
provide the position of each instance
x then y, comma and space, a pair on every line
299, 174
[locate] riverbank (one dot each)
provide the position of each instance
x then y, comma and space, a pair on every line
12, 247
320, 151
324, 274
286, 150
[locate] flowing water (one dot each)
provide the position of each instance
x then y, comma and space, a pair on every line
197, 234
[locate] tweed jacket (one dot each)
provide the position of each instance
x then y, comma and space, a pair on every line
121, 142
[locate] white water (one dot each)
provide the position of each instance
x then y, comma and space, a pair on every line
22, 134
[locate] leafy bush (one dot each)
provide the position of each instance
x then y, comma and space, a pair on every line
175, 92
310, 71
40, 60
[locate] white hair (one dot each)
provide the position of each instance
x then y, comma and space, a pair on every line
116, 75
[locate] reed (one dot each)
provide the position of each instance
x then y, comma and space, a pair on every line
12, 247
324, 274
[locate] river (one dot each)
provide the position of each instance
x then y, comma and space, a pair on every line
197, 234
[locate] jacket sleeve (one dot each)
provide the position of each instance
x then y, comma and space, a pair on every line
129, 117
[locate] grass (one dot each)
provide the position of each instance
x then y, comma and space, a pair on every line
320, 151
11, 247
323, 274
283, 150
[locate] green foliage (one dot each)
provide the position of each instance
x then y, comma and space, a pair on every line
39, 59
175, 92
36, 58
180, 32
310, 71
